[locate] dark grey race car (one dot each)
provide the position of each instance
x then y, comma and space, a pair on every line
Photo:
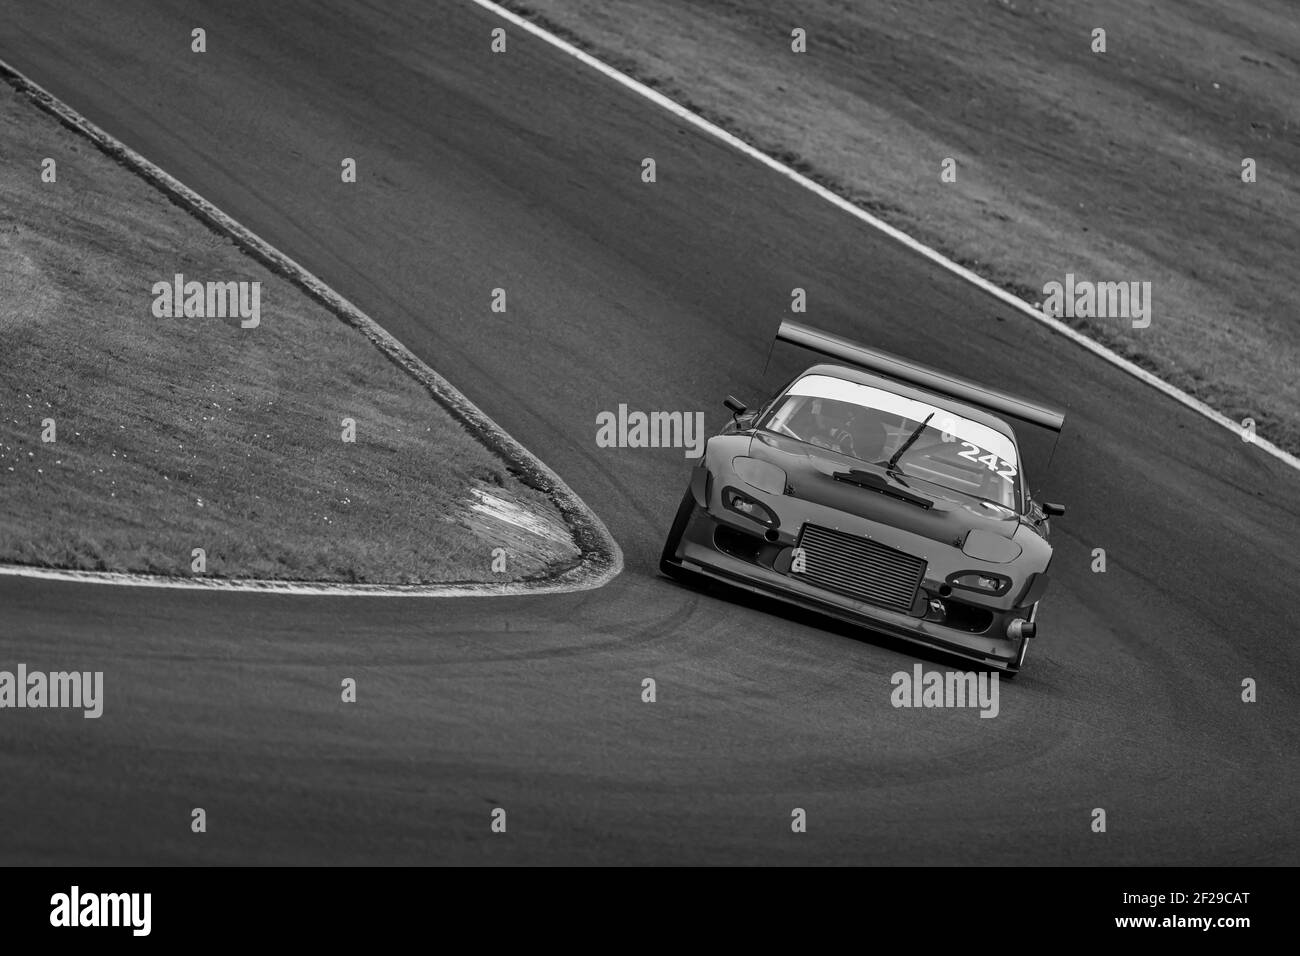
884, 494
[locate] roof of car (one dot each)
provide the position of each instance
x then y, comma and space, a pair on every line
849, 374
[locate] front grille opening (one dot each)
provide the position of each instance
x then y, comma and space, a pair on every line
738, 544
860, 568
967, 617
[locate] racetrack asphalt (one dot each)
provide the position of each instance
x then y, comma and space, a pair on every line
523, 171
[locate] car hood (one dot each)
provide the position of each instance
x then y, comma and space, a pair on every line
905, 504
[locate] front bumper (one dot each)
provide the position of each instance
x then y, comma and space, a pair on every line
699, 552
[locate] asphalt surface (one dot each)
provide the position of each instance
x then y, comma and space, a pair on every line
522, 171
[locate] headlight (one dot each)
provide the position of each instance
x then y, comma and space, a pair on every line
761, 474
987, 546
741, 503
980, 581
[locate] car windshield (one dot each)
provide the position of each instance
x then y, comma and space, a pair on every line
874, 425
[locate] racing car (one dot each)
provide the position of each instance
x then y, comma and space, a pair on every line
879, 492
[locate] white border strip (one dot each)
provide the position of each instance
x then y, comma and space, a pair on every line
602, 559
939, 259
316, 589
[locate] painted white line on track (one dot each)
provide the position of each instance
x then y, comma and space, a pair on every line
603, 559
712, 129
257, 586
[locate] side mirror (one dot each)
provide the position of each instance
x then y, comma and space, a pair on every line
736, 406
1052, 510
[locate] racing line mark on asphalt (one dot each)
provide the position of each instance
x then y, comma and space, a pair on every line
699, 122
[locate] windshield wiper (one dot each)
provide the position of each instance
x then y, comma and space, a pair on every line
873, 481
911, 440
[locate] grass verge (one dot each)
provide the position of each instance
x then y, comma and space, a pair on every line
171, 434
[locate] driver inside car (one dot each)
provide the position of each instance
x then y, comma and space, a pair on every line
832, 423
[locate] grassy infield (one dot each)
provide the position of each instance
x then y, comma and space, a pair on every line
174, 434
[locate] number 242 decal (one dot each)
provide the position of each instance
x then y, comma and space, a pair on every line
989, 461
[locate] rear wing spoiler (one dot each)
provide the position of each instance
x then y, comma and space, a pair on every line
891, 366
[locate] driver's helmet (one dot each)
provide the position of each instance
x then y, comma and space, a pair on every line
833, 420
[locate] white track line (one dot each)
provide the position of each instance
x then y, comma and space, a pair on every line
603, 559
256, 586
938, 258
